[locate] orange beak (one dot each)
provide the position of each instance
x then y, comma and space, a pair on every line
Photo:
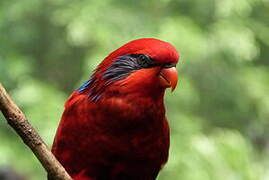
168, 78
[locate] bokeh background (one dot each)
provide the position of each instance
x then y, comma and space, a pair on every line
219, 114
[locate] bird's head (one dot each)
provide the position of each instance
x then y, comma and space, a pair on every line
145, 66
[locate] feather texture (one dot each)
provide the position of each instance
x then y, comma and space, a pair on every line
114, 126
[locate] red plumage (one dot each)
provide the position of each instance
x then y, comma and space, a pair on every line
114, 127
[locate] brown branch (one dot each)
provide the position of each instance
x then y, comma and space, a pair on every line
17, 120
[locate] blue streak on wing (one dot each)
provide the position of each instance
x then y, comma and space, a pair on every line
84, 86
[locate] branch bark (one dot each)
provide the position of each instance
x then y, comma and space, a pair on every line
17, 120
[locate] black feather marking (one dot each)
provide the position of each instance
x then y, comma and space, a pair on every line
121, 68
125, 65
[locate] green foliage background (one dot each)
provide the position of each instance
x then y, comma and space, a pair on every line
219, 114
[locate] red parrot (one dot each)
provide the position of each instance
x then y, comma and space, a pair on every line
114, 126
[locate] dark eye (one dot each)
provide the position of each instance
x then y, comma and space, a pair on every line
145, 61
169, 65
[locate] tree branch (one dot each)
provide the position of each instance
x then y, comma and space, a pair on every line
17, 120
